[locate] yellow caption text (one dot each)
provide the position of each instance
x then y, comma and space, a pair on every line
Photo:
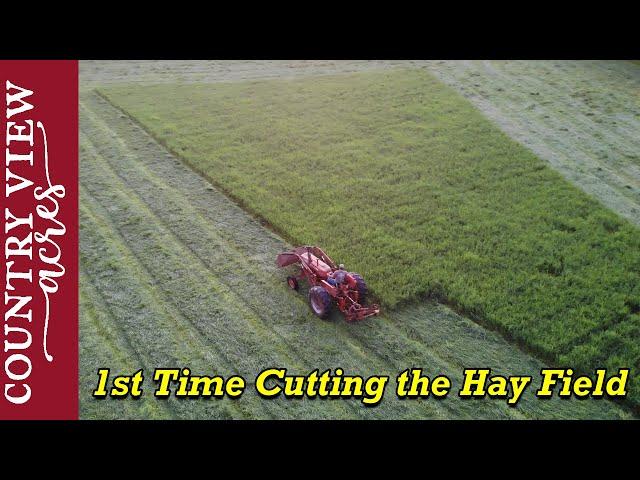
412, 383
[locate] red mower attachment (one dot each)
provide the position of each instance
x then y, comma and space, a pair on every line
329, 282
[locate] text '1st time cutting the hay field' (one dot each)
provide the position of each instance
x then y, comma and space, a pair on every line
409, 384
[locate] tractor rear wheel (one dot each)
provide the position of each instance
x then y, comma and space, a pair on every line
361, 286
320, 302
293, 283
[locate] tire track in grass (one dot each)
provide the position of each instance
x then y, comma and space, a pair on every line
387, 337
230, 266
105, 345
249, 343
173, 242
145, 316
418, 353
298, 340
111, 301
115, 337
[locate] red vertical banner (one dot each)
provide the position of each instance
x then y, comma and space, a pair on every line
39, 335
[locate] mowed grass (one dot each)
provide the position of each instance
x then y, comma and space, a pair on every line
583, 117
400, 178
176, 274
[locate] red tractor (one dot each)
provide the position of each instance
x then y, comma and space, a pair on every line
328, 282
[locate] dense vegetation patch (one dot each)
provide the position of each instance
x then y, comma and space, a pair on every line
400, 178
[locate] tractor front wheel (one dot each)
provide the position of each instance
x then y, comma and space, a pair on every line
293, 283
320, 302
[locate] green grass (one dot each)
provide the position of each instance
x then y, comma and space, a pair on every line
176, 274
400, 178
